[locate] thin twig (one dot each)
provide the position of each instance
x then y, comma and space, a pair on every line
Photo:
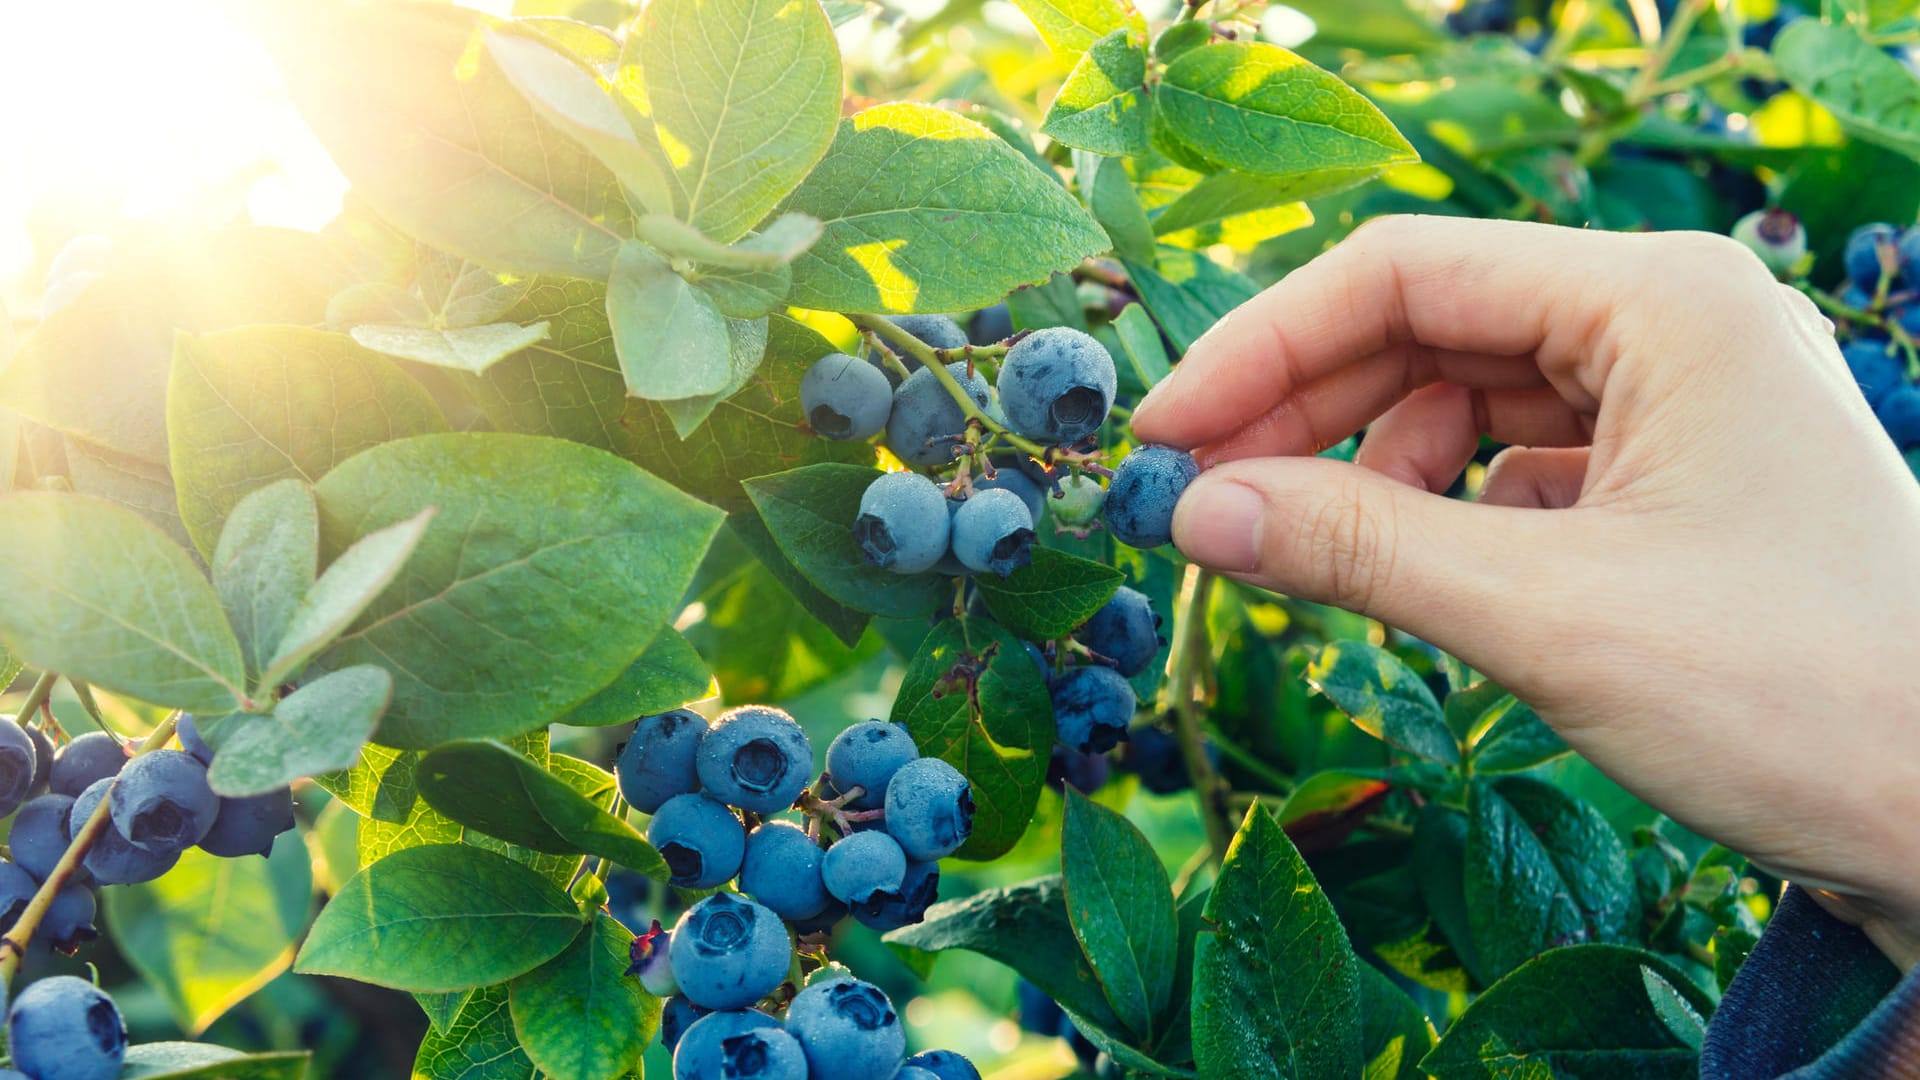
1191, 646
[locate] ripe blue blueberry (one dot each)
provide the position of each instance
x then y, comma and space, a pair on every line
926, 423
1057, 385
1125, 630
729, 952
829, 917
248, 825
113, 859
919, 888
863, 865
1776, 236
993, 532
17, 765
929, 809
1012, 479
945, 1065
1906, 316
848, 1029
1092, 707
1154, 756
1899, 413
65, 1028
913, 1072
42, 759
1145, 487
1876, 368
1862, 255
701, 840
90, 757
939, 331
16, 891
658, 761
782, 871
677, 1014
990, 325
903, 524
844, 397
650, 960
744, 1045
866, 755
69, 919
188, 732
162, 802
1072, 768
755, 758
1079, 502
39, 835
1909, 251
1038, 1012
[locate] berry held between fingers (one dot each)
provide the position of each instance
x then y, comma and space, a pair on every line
848, 1029
864, 865
904, 524
929, 809
701, 840
782, 871
926, 423
866, 755
755, 758
846, 398
1145, 487
993, 532
1057, 385
65, 1028
728, 952
1092, 708
162, 803
657, 763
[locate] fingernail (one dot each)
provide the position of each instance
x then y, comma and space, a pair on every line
1218, 525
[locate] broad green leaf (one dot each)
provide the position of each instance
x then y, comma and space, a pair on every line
668, 675
440, 917
925, 210
1439, 863
1187, 293
810, 513
1470, 710
746, 349
1518, 739
264, 563
1329, 794
1276, 985
465, 348
478, 1043
414, 109
768, 634
464, 294
342, 592
1103, 106
1180, 37
1394, 1033
335, 843
211, 931
580, 1015
1240, 209
584, 559
1609, 1027
250, 406
1070, 27
1377, 26
1050, 597
97, 593
379, 786
1261, 109
745, 294
203, 1061
140, 486
1024, 927
1120, 903
377, 302
443, 1009
1108, 191
1873, 95
745, 95
1385, 698
318, 728
486, 785
973, 698
781, 242
669, 336
1141, 345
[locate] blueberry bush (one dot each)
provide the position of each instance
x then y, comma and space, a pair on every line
664, 582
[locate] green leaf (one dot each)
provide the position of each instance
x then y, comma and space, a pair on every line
1608, 1028
1070, 27
1050, 597
317, 728
265, 562
580, 1015
1108, 191
126, 481
211, 931
1261, 109
1187, 293
1518, 739
440, 917
763, 641
1470, 710
1872, 94
1439, 861
810, 513
1376, 26
95, 592
1242, 209
202, 1061
250, 406
781, 242
668, 675
1120, 903
1543, 870
1140, 341
925, 210
1385, 698
416, 112
477, 1043
465, 348
1276, 986
671, 339
584, 560
342, 592
973, 698
745, 95
488, 786
1103, 105
1180, 37
1394, 1033
746, 348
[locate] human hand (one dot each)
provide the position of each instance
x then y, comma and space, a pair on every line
1699, 561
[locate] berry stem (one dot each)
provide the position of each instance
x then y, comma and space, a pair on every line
929, 358
36, 697
1191, 649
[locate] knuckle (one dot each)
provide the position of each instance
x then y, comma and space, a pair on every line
1701, 257
1351, 535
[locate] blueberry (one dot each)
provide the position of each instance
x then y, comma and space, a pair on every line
743, 1045
846, 398
1057, 385
93, 756
187, 730
914, 1072
939, 331
848, 1029
990, 325
1125, 630
650, 957
926, 423
755, 758
1038, 1012
162, 802
64, 1028
782, 871
1020, 484
1909, 248
702, 841
993, 532
862, 865
919, 888
1140, 500
16, 891
1154, 756
248, 825
1085, 772
40, 834
113, 859
829, 917
1876, 368
677, 1014
658, 761
903, 524
866, 755
1899, 413
929, 809
729, 952
1079, 501
1092, 708
1906, 315
1774, 235
1859, 299
42, 759
17, 765
69, 919
945, 1065
1862, 256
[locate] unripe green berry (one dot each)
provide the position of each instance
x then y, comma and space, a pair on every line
1774, 235
1079, 501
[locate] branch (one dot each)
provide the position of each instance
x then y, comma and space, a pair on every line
929, 358
36, 697
1191, 650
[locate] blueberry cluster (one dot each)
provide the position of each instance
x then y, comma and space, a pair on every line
64, 1028
1883, 279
